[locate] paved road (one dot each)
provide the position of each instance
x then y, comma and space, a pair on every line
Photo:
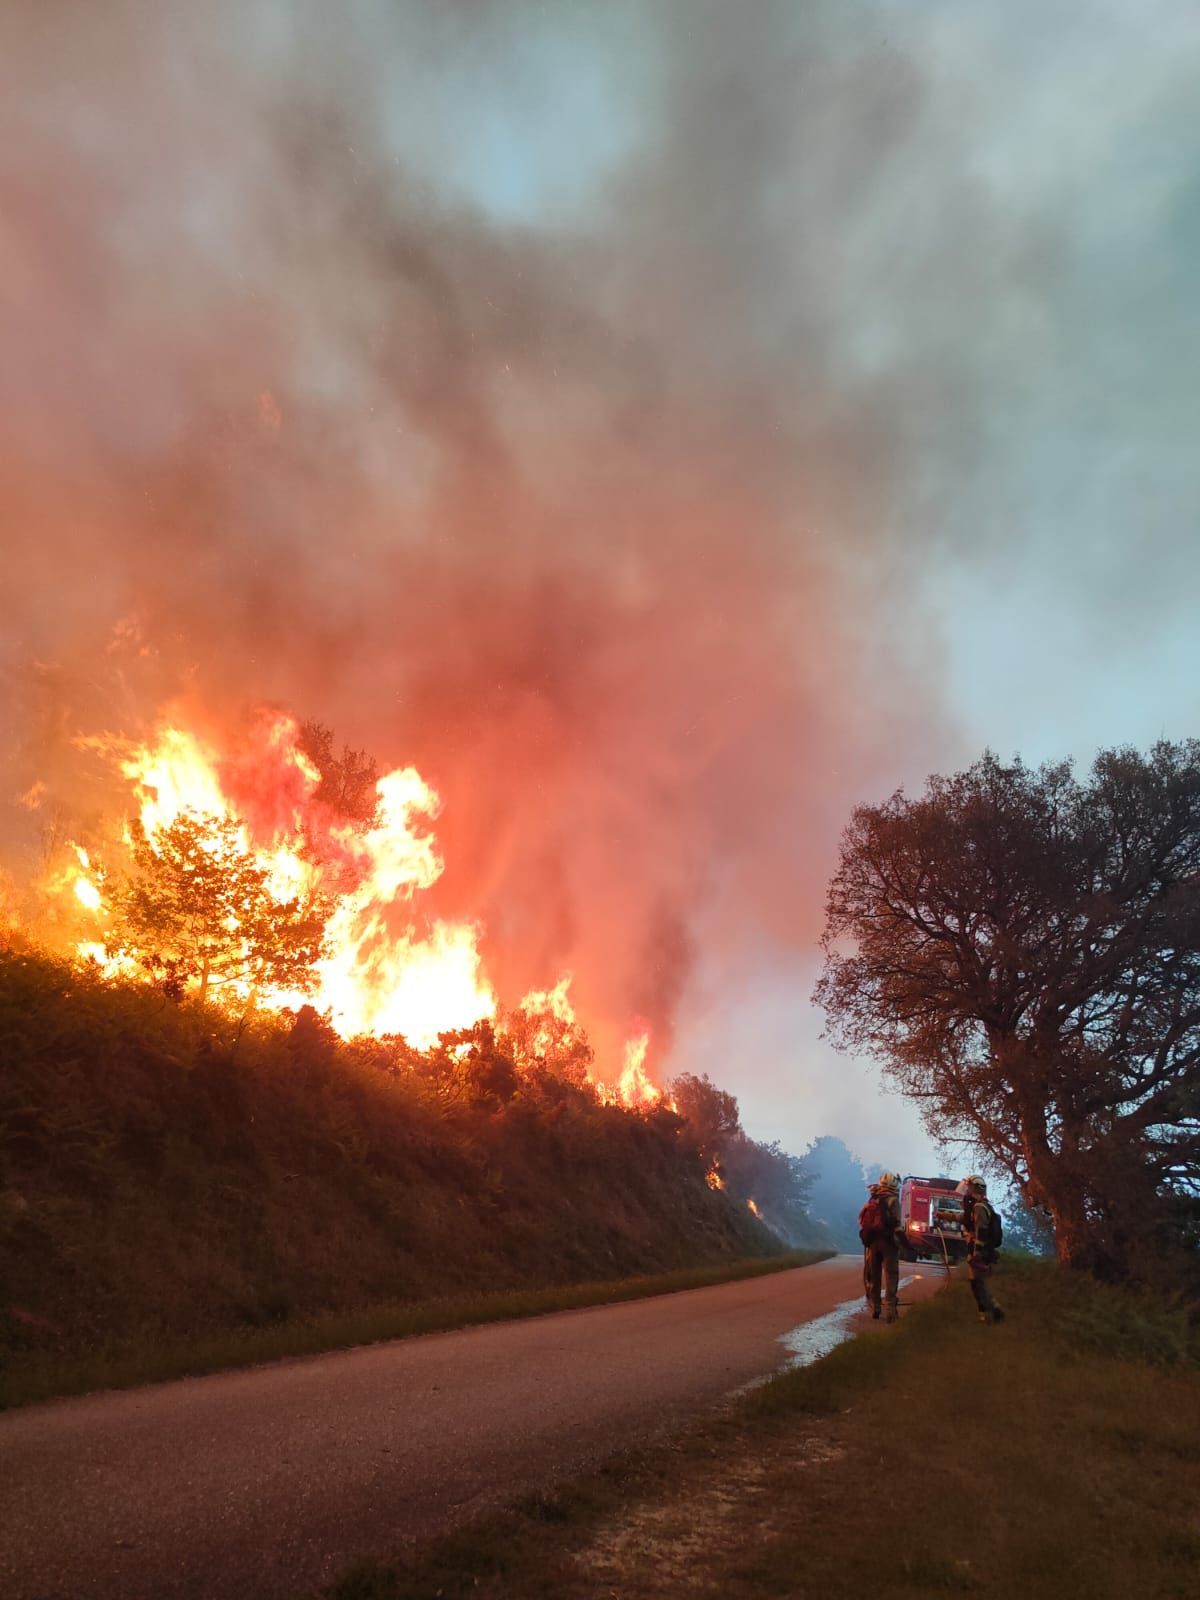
268, 1483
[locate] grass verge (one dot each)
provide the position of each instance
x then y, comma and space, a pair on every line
128, 1365
1053, 1457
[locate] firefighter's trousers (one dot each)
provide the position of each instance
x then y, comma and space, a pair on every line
979, 1272
881, 1273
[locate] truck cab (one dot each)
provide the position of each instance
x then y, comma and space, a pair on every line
931, 1217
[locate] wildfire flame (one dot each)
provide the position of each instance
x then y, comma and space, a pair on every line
635, 1088
556, 1023
387, 970
554, 1002
173, 775
382, 980
383, 974
86, 892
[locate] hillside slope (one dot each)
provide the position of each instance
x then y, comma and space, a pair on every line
166, 1174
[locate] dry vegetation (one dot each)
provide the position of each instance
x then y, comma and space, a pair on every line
1057, 1456
178, 1191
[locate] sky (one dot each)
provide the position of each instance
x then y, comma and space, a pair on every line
667, 425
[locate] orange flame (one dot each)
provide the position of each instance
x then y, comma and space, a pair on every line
174, 775
382, 981
387, 970
382, 974
635, 1087
553, 1006
556, 1001
86, 892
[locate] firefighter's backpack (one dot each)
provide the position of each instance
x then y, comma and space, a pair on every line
990, 1242
872, 1221
995, 1230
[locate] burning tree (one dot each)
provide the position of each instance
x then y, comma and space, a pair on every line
1021, 951
197, 908
267, 865
349, 783
544, 1035
471, 1066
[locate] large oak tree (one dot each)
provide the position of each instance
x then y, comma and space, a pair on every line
1021, 952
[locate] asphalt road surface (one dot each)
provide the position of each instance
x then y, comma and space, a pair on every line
273, 1481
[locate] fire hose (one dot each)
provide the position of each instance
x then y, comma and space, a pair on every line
945, 1252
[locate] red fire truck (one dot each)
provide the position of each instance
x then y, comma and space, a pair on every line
932, 1218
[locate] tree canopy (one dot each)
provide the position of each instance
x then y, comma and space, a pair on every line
711, 1114
197, 909
1021, 952
777, 1183
542, 1041
348, 782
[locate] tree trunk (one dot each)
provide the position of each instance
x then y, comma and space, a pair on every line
1054, 1178
1072, 1239
204, 980
1053, 1186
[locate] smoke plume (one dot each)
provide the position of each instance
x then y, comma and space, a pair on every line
513, 389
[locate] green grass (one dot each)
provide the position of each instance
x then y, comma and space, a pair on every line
1055, 1457
44, 1376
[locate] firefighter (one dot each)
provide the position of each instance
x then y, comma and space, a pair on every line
981, 1253
879, 1230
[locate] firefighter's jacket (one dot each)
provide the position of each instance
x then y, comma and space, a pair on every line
977, 1225
891, 1210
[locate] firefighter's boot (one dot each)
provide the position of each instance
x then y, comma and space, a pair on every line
891, 1315
997, 1314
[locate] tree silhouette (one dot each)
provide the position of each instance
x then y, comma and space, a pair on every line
348, 781
777, 1182
710, 1114
471, 1066
837, 1188
1021, 951
196, 908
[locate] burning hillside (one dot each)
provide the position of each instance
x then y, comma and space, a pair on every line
271, 873
579, 514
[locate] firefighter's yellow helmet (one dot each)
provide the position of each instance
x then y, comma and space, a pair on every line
888, 1180
975, 1183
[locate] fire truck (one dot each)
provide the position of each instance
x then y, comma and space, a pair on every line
931, 1217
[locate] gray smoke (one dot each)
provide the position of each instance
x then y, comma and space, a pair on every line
589, 405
